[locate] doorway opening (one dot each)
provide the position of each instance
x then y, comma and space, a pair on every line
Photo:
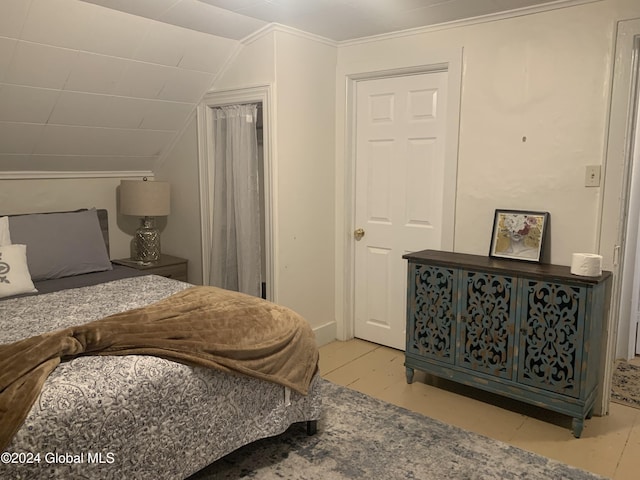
242, 239
617, 218
626, 304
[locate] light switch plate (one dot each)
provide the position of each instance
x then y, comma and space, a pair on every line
592, 176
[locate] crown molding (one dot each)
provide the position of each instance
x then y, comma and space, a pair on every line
32, 175
277, 27
492, 17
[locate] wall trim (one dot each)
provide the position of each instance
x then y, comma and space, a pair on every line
491, 17
325, 333
25, 175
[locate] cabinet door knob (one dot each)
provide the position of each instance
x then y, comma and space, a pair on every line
358, 233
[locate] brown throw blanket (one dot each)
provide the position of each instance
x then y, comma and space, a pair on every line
204, 326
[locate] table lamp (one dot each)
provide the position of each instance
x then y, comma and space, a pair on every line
145, 199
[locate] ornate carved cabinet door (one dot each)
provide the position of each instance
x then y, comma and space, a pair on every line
551, 336
431, 325
487, 323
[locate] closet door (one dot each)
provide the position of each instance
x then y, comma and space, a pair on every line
400, 186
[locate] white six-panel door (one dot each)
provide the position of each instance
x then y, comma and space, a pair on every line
399, 190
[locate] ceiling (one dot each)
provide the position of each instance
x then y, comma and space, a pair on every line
338, 20
109, 85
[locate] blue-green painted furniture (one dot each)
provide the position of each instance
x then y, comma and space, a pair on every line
529, 331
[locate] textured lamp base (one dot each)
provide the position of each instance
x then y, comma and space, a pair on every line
147, 242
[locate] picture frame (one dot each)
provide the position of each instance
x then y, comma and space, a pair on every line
519, 235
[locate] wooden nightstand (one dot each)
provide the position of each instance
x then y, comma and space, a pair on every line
168, 266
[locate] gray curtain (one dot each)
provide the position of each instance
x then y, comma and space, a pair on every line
235, 250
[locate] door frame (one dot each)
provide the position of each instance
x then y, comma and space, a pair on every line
258, 94
449, 60
615, 197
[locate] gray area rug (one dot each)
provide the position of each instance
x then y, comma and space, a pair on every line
625, 387
360, 437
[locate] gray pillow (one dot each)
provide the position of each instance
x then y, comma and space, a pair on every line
61, 244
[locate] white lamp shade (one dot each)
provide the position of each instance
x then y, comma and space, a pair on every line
144, 198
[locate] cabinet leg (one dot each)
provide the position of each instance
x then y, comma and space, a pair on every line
410, 375
577, 425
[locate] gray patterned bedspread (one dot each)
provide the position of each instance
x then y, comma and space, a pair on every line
134, 417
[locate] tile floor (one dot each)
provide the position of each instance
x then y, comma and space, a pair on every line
609, 446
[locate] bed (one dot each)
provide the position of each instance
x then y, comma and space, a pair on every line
131, 416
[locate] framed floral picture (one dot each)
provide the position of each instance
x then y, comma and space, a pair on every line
519, 234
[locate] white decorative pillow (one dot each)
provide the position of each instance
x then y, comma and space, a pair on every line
14, 273
5, 238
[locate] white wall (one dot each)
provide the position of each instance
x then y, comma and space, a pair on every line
300, 71
544, 77
534, 113
181, 235
252, 65
305, 128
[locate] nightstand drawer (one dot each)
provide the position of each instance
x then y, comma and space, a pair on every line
167, 266
177, 272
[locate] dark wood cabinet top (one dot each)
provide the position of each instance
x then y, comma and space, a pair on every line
163, 261
502, 266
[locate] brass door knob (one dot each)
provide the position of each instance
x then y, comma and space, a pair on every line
358, 233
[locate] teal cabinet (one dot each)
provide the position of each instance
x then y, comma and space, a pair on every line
531, 332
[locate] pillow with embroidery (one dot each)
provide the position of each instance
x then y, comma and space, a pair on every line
5, 238
14, 272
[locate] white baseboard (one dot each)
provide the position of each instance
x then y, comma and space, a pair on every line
325, 333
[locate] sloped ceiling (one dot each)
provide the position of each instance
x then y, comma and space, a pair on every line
108, 85
88, 88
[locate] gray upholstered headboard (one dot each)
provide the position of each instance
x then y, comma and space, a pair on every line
103, 218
